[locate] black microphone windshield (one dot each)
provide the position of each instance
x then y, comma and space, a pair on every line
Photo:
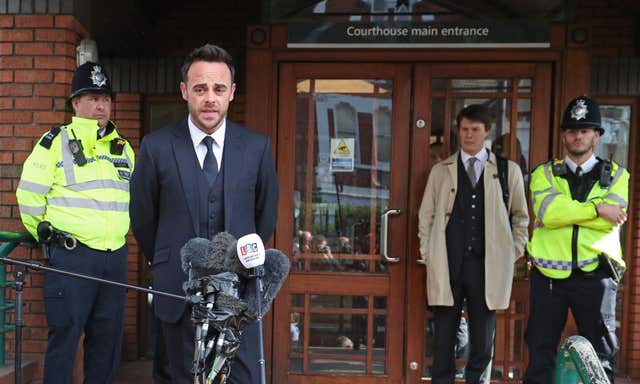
223, 251
222, 254
193, 256
276, 270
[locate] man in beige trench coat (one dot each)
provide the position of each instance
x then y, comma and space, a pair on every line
469, 241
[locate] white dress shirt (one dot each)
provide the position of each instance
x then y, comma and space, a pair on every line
586, 167
482, 158
201, 149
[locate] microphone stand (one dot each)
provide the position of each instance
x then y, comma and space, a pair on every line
40, 267
258, 274
20, 273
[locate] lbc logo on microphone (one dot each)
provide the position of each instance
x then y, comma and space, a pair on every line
249, 248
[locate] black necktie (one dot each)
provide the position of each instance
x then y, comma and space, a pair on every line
578, 171
210, 165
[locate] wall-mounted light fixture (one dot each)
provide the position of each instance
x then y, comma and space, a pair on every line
87, 50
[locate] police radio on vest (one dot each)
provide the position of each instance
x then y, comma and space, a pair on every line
251, 250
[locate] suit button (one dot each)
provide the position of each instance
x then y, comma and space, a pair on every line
473, 205
469, 248
473, 196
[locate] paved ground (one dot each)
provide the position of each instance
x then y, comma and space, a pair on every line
139, 372
135, 372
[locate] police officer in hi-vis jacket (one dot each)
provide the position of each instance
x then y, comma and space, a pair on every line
579, 203
75, 184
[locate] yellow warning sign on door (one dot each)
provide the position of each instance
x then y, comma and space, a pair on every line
342, 151
342, 148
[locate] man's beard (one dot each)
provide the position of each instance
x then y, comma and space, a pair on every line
590, 147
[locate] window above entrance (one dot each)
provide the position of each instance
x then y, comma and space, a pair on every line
414, 10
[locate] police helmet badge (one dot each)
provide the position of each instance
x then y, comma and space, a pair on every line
97, 77
579, 110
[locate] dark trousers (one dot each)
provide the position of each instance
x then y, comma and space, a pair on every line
74, 306
482, 325
178, 338
160, 372
592, 300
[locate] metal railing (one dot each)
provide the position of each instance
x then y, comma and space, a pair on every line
8, 242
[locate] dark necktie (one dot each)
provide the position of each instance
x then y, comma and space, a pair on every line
210, 165
471, 171
578, 171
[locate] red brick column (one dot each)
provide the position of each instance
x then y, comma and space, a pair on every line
127, 116
612, 27
632, 278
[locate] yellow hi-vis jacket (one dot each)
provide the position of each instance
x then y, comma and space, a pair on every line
91, 202
556, 215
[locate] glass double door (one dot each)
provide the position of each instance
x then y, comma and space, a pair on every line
354, 147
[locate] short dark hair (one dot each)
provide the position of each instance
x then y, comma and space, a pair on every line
210, 53
475, 112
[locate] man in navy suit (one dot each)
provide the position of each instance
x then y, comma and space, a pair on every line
195, 178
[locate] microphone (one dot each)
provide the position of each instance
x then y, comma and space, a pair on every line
202, 257
251, 251
252, 255
276, 270
212, 288
193, 257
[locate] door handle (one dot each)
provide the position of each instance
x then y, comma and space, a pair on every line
384, 233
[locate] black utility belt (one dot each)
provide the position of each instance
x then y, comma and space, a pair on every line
50, 235
587, 275
81, 246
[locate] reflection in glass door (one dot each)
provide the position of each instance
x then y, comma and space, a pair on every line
344, 142
342, 189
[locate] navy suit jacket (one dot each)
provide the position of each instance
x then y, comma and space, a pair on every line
164, 209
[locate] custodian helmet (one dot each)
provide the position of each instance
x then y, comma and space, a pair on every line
582, 112
90, 78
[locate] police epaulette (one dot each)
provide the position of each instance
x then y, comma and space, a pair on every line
542, 165
48, 138
559, 167
117, 145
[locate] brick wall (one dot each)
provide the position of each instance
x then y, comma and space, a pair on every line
633, 281
612, 27
127, 115
37, 60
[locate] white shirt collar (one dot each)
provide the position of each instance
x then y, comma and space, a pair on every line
200, 148
587, 166
197, 135
483, 156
